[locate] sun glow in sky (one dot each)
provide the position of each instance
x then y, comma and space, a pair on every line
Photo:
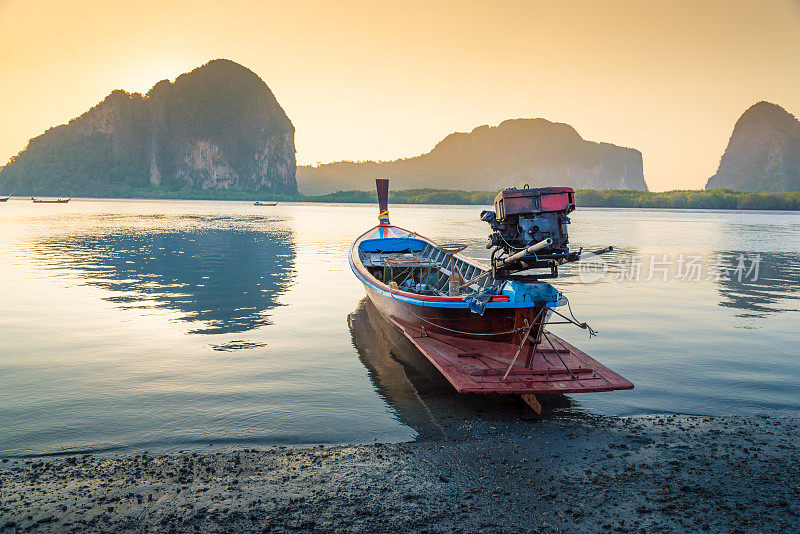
380, 80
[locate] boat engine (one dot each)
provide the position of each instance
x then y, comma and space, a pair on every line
529, 231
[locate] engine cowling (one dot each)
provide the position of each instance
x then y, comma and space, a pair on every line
524, 217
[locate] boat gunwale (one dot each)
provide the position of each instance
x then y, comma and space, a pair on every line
497, 301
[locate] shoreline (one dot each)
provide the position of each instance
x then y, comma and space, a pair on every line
695, 199
519, 474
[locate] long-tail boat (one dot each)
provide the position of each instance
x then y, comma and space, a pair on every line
4, 199
260, 203
50, 200
483, 326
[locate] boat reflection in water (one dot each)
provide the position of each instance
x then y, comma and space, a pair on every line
421, 396
220, 280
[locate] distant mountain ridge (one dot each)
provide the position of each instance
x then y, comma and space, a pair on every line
516, 152
216, 127
763, 153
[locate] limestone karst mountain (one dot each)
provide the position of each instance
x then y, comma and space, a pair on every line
516, 152
763, 153
216, 127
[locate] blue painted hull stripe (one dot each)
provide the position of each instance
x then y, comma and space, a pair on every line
436, 303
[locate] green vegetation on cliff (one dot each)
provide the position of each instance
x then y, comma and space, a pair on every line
64, 165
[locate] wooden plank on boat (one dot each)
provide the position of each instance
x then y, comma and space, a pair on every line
478, 366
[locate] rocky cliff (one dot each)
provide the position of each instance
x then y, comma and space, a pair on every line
216, 127
763, 153
516, 152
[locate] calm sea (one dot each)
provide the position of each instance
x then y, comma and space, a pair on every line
129, 323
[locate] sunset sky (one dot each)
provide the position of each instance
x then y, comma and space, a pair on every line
381, 80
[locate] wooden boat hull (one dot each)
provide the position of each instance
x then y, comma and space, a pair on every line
483, 353
457, 322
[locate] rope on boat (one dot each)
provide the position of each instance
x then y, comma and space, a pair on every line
574, 320
516, 331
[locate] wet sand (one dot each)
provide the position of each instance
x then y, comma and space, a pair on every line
521, 474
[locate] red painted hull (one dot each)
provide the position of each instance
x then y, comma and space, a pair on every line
446, 321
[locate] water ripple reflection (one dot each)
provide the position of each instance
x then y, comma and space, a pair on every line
774, 290
224, 280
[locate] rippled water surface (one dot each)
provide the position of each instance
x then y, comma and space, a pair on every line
127, 323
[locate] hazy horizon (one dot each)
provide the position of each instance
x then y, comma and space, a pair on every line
364, 81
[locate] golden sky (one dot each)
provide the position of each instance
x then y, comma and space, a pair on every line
381, 80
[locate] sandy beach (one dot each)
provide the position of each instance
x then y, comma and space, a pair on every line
568, 474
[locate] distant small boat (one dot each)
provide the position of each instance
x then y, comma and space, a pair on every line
259, 203
54, 201
3, 199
